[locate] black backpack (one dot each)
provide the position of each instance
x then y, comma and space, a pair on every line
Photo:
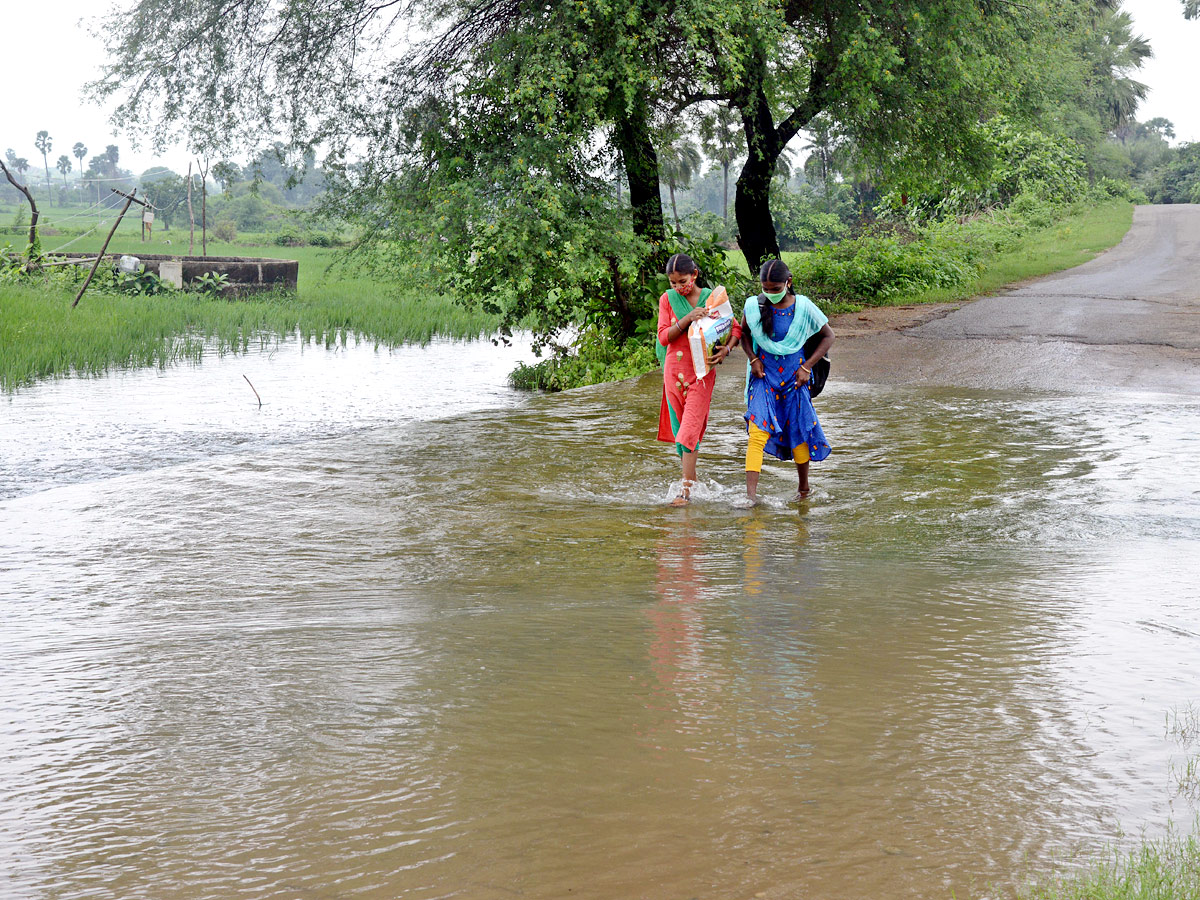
820, 371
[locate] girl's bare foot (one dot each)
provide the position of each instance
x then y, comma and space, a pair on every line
685, 494
801, 495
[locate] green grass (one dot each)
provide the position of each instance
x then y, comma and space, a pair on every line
44, 337
1067, 243
1165, 869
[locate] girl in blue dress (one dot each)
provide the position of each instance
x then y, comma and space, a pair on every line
780, 418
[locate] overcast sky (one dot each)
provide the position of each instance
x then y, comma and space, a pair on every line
48, 56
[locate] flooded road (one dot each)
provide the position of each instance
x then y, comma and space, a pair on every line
386, 638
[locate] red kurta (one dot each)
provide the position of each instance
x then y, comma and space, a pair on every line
691, 412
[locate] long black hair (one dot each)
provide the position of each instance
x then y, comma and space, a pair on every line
772, 270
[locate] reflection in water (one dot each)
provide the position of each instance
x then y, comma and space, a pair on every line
346, 661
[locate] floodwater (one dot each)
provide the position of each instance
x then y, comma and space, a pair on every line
404, 632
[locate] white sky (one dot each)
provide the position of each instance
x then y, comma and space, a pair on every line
48, 55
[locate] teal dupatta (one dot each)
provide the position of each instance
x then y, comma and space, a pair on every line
807, 322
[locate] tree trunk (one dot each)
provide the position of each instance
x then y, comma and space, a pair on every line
33, 210
764, 144
752, 196
632, 135
725, 199
625, 314
674, 211
191, 216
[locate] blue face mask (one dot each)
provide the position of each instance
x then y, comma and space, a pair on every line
775, 298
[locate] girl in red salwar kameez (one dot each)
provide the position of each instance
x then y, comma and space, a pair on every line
683, 414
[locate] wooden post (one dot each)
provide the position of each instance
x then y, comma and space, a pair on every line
191, 215
203, 206
129, 198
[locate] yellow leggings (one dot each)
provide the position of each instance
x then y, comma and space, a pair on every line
754, 450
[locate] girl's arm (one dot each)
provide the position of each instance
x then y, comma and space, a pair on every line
668, 332
822, 347
757, 369
805, 370
664, 320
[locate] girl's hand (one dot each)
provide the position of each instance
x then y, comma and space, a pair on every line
757, 368
718, 355
802, 376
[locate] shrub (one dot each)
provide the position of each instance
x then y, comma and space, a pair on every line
225, 230
591, 360
876, 266
289, 237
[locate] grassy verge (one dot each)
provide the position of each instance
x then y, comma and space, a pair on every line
1165, 869
1070, 242
44, 337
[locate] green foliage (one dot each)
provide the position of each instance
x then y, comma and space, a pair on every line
210, 284
802, 218
880, 265
592, 359
289, 236
225, 230
1178, 181
1022, 162
138, 284
600, 354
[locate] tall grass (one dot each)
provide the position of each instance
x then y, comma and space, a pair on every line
1165, 869
41, 336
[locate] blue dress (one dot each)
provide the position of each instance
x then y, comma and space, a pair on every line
777, 407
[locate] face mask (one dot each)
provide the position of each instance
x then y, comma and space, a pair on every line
775, 298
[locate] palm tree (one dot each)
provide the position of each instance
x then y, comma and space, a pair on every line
112, 155
1116, 52
79, 151
723, 140
823, 148
677, 163
44, 143
64, 166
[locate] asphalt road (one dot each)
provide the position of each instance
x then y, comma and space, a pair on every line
1129, 319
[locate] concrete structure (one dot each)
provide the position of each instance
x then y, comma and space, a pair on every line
247, 274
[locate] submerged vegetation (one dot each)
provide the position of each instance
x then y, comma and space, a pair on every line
1164, 869
44, 337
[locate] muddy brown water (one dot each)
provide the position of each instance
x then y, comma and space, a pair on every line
403, 632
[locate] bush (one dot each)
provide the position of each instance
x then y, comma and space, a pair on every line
593, 359
879, 265
289, 237
225, 230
